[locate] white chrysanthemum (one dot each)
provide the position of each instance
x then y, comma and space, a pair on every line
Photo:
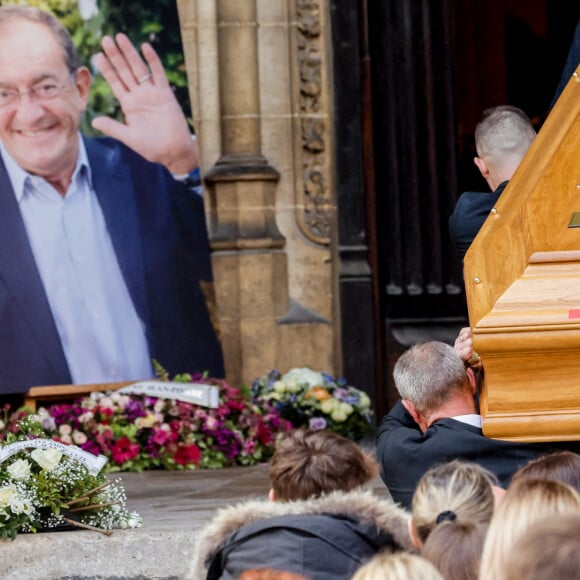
304, 376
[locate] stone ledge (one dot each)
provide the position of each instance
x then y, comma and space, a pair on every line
126, 555
174, 506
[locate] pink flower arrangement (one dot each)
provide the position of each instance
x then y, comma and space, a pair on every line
138, 432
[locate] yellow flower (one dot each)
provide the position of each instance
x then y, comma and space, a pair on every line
148, 421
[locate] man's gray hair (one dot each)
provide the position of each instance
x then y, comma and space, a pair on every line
504, 134
428, 374
30, 14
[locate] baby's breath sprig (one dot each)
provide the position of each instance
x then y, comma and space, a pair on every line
48, 487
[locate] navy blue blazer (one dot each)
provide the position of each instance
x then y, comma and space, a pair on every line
405, 453
157, 227
470, 212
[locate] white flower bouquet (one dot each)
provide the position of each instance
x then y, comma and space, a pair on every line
47, 485
316, 400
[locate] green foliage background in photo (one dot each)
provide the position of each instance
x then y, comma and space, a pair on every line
155, 22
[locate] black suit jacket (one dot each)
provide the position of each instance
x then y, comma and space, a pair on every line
405, 453
158, 231
470, 212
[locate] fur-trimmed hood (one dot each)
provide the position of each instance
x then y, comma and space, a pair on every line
361, 505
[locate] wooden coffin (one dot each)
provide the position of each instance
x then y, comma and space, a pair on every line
522, 278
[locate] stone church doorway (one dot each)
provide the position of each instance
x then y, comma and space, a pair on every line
412, 79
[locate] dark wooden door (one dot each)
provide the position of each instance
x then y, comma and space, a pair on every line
412, 79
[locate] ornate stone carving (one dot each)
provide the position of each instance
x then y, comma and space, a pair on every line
313, 203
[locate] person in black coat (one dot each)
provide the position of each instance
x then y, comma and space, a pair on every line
319, 523
501, 138
437, 421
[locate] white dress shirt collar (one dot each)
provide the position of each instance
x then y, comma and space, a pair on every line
470, 419
18, 176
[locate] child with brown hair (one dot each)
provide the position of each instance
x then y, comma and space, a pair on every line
320, 523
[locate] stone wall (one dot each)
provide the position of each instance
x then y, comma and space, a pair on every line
260, 91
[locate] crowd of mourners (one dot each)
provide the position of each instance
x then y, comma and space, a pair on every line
460, 506
322, 524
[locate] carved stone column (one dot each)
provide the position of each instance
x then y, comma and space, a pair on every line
258, 78
248, 259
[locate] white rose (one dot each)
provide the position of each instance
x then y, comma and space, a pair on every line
338, 415
346, 409
19, 470
304, 376
7, 494
47, 458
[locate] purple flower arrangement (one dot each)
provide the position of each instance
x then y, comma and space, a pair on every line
137, 432
316, 400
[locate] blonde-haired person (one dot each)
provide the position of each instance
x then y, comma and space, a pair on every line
549, 549
455, 548
526, 502
457, 492
401, 566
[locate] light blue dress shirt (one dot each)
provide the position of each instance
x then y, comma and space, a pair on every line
102, 336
